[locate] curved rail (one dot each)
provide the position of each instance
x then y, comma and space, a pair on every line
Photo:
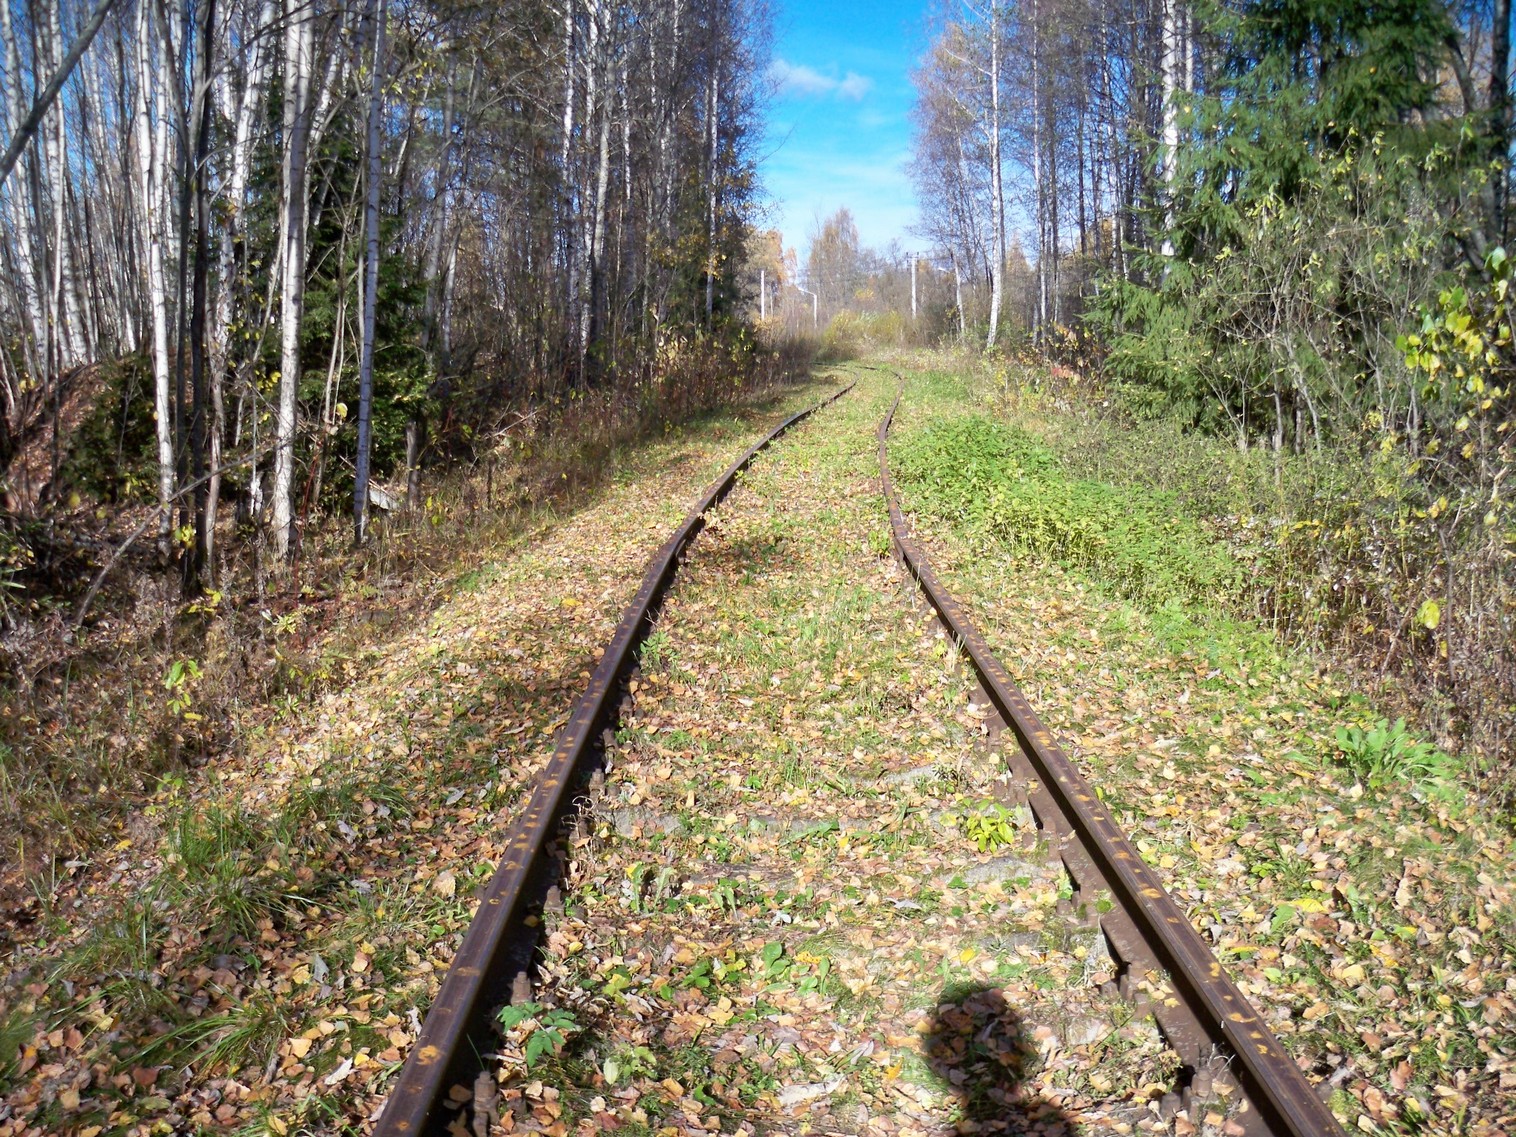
1210, 1023
496, 954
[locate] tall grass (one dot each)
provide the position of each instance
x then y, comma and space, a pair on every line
1011, 488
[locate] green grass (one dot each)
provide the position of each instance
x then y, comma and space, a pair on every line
18, 1027
1011, 489
245, 1036
1387, 755
226, 875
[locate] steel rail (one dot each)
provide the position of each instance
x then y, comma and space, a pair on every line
498, 948
1208, 1020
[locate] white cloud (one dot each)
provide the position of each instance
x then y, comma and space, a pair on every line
854, 86
798, 79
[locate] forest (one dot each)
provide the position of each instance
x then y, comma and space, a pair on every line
294, 244
263, 262
359, 358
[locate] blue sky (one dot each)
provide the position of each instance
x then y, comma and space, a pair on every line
839, 127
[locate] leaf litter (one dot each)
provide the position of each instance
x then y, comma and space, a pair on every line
782, 918
258, 955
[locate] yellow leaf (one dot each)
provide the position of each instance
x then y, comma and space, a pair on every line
1429, 615
300, 1047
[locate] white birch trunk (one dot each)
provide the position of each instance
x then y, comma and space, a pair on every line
597, 240
1039, 190
565, 155
20, 220
963, 326
71, 326
586, 230
431, 328
244, 112
298, 43
151, 145
1172, 82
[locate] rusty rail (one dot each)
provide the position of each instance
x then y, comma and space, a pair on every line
1167, 967
497, 950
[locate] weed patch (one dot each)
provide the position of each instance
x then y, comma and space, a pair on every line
1005, 485
1384, 755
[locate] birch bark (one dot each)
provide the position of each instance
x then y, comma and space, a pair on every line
1172, 82
65, 299
298, 48
20, 218
152, 141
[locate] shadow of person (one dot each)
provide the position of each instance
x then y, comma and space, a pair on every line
978, 1047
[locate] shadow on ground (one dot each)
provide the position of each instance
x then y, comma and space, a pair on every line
979, 1048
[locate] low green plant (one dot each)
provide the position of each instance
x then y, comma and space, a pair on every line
774, 962
1011, 488
542, 1033
808, 970
1387, 753
989, 827
179, 682
657, 651
627, 1063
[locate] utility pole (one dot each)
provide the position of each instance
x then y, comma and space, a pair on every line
815, 316
763, 294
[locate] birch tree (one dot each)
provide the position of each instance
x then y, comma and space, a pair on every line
299, 38
152, 191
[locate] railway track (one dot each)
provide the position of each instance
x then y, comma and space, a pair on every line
494, 961
1228, 1064
1165, 966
